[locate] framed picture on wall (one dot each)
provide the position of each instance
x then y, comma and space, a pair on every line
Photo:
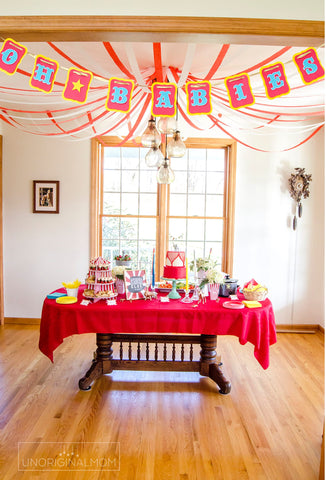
45, 196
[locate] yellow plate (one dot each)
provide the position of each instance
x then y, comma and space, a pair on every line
66, 300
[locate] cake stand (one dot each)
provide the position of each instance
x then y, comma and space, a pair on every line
174, 295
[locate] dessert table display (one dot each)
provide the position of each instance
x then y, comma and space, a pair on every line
148, 323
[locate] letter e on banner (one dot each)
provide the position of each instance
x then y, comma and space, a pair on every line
119, 95
309, 65
43, 74
275, 80
77, 85
164, 99
11, 54
199, 98
239, 91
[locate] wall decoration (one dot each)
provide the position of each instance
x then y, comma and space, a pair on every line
45, 196
239, 91
43, 74
164, 99
119, 95
135, 282
11, 54
309, 65
275, 81
77, 85
299, 187
199, 98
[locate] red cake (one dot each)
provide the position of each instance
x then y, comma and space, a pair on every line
175, 265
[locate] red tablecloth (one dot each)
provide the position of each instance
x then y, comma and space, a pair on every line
254, 325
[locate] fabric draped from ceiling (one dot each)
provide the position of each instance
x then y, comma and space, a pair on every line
301, 112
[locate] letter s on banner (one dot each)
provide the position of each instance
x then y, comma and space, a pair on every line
11, 54
119, 95
309, 65
199, 98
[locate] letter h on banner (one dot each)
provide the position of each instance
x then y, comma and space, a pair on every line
43, 74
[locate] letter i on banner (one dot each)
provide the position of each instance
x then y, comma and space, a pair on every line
309, 65
43, 74
164, 99
77, 85
275, 80
199, 98
239, 91
119, 95
11, 54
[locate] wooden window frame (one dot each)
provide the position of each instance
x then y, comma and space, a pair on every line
161, 239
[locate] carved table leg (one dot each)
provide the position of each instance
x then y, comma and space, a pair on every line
208, 365
101, 363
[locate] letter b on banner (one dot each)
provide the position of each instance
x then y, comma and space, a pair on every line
199, 98
119, 95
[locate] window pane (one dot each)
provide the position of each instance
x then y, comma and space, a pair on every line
110, 228
216, 254
130, 180
129, 204
147, 204
196, 182
178, 204
180, 183
130, 157
111, 181
196, 229
214, 230
197, 159
129, 228
178, 164
215, 182
148, 182
196, 205
215, 159
111, 203
112, 158
177, 230
147, 229
214, 205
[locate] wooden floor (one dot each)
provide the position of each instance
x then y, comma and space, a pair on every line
154, 426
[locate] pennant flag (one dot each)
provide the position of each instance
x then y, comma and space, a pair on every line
164, 99
43, 74
275, 81
77, 85
309, 65
119, 95
239, 91
198, 98
11, 54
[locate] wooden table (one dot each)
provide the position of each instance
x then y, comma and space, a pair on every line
147, 325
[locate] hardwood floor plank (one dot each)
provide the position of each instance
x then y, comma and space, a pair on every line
167, 425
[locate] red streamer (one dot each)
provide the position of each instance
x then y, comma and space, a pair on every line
116, 59
218, 61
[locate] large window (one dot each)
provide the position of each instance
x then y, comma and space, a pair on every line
131, 213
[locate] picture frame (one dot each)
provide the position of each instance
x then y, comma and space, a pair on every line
46, 196
135, 284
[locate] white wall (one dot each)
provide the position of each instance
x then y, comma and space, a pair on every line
41, 251
291, 9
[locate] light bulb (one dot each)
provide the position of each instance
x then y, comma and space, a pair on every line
165, 173
151, 138
167, 125
176, 147
154, 157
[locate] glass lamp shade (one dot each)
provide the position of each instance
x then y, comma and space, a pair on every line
167, 125
176, 147
165, 173
154, 157
151, 138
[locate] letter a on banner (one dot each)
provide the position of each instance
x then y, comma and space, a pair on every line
77, 85
309, 65
275, 80
119, 95
11, 54
239, 91
199, 98
43, 74
164, 99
